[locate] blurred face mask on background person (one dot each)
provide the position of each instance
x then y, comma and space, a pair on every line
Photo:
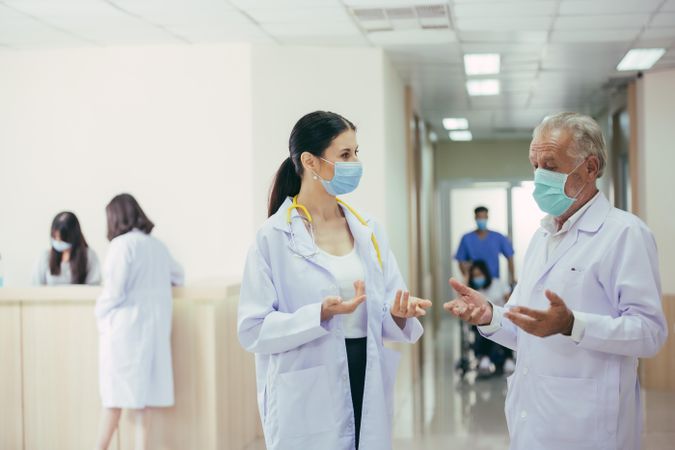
345, 179
549, 191
61, 246
481, 224
479, 282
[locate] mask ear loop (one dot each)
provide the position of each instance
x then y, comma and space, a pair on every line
316, 176
582, 187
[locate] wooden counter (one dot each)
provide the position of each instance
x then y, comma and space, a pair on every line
49, 373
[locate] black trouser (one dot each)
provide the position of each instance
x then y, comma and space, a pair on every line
485, 347
356, 361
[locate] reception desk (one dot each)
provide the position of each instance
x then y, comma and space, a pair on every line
49, 396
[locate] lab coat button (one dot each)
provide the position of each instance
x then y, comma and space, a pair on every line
525, 370
523, 414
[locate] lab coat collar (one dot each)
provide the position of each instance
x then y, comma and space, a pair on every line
589, 217
596, 214
590, 221
362, 233
279, 218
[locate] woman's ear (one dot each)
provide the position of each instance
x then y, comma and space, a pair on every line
308, 162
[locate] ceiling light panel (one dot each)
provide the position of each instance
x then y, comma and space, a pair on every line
640, 58
484, 87
482, 63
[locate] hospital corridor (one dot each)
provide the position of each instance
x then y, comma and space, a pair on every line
337, 224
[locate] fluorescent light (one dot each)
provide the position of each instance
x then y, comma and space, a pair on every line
481, 63
640, 58
483, 87
455, 123
461, 135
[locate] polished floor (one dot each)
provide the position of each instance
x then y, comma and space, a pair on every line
446, 411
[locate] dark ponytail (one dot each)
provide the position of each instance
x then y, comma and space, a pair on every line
286, 184
313, 133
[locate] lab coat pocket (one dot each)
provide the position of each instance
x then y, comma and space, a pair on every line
304, 402
390, 362
566, 410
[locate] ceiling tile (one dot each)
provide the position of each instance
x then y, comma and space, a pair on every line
515, 37
299, 15
607, 7
541, 23
504, 9
260, 4
412, 37
355, 40
658, 33
608, 21
312, 30
622, 35
663, 20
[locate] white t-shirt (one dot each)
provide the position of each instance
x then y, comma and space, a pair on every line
347, 269
496, 292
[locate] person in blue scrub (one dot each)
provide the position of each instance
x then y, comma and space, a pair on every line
486, 245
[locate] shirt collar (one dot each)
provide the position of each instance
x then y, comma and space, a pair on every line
548, 223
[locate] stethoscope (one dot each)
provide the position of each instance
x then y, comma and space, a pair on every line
308, 217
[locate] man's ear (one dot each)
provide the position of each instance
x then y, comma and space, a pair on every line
593, 165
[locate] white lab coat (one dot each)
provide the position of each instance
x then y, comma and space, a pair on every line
304, 395
134, 320
585, 396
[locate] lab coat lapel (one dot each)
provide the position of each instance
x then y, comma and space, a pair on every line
590, 221
567, 243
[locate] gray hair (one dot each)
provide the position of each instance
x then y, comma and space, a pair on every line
587, 139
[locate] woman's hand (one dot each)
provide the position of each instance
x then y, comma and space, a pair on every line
405, 307
335, 305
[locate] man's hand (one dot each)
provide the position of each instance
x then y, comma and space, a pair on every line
558, 318
335, 305
471, 306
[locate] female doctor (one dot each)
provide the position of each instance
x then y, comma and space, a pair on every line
321, 291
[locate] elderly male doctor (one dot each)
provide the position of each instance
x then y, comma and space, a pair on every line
587, 305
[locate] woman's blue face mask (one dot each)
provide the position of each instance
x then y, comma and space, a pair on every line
346, 178
61, 246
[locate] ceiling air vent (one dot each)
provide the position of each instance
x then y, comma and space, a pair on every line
403, 18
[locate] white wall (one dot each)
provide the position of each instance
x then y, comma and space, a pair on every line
393, 179
358, 83
656, 112
171, 125
483, 159
194, 132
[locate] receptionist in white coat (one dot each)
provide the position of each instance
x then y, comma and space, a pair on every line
587, 305
321, 292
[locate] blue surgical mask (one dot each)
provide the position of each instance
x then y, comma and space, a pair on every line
346, 178
479, 282
549, 191
481, 224
61, 246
